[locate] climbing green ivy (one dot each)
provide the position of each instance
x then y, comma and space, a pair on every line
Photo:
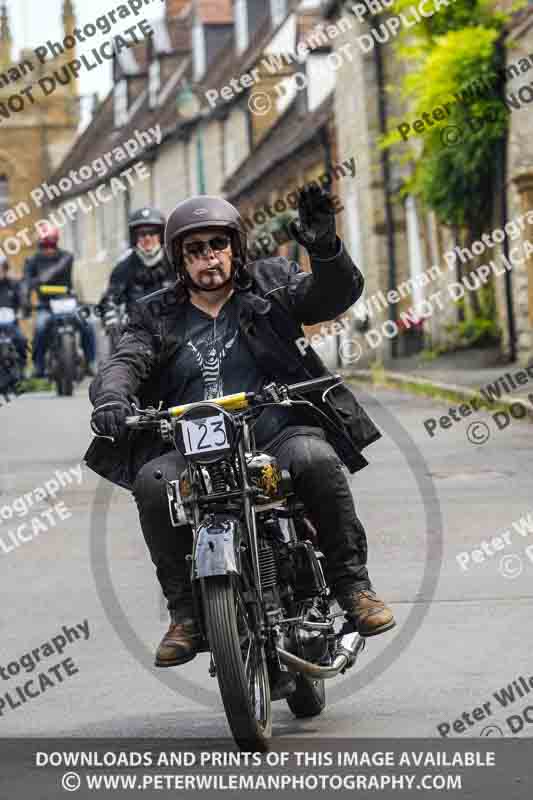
454, 65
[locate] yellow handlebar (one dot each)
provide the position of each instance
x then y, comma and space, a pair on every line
231, 402
47, 289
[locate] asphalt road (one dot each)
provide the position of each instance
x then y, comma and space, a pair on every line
461, 635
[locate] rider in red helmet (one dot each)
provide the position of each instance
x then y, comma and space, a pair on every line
53, 266
48, 237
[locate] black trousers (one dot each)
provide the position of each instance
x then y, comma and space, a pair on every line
319, 482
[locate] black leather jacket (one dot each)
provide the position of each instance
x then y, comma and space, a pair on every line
281, 299
10, 295
131, 279
55, 269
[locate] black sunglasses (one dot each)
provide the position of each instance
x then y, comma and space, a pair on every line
201, 248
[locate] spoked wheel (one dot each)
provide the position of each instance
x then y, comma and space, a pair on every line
240, 663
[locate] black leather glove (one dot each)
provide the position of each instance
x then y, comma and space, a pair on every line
316, 231
109, 416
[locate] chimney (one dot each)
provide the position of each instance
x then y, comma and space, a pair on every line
176, 7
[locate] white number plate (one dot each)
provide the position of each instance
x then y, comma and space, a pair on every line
65, 305
7, 316
204, 434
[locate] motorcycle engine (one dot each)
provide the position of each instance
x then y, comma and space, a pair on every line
309, 645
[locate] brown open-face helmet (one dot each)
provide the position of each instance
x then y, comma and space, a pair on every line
200, 212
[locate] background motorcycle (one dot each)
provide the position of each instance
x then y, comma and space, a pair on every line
64, 362
259, 590
11, 368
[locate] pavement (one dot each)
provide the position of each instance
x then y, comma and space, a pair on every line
462, 374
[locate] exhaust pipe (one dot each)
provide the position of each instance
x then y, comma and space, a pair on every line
350, 646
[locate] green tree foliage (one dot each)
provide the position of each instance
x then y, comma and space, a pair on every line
454, 59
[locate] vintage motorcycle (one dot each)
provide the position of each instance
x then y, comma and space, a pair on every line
260, 595
65, 363
11, 368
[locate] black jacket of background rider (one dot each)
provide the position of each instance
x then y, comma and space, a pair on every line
281, 299
131, 279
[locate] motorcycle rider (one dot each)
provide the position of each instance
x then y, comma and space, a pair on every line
144, 268
11, 297
229, 326
52, 265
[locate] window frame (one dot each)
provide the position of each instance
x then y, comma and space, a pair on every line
121, 103
154, 83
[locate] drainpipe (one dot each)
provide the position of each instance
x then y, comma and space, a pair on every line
328, 163
458, 271
503, 214
200, 166
386, 175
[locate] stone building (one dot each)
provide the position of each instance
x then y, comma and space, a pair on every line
214, 148
33, 140
400, 246
519, 180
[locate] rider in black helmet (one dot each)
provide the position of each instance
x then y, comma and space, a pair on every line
228, 326
144, 268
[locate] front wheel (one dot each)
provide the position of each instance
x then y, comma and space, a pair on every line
240, 662
66, 365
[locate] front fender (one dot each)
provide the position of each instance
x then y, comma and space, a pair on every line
218, 548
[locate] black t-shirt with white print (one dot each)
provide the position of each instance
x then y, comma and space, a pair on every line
215, 361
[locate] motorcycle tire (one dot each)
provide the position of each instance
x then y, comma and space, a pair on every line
309, 699
226, 617
66, 365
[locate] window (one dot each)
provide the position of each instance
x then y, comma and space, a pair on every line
4, 193
198, 43
278, 11
154, 82
241, 25
120, 100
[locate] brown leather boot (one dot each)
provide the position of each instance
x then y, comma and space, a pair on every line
368, 613
178, 645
